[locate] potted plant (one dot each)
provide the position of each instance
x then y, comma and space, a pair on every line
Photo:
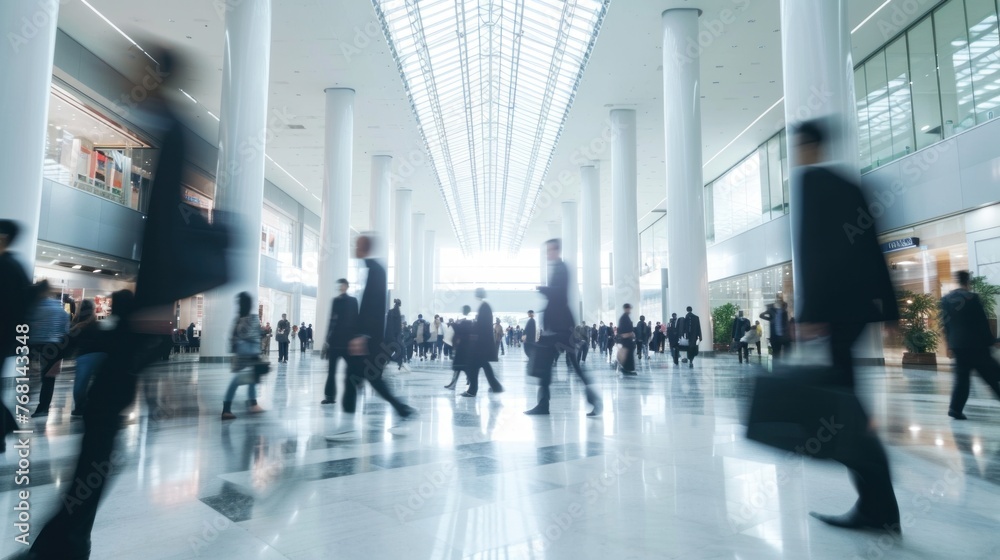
915, 313
988, 294
722, 323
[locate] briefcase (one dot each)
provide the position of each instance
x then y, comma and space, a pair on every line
800, 409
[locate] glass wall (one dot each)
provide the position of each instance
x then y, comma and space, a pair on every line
750, 193
88, 150
938, 78
277, 236
752, 292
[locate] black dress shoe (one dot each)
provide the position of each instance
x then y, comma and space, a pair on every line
957, 415
598, 408
856, 520
468, 394
538, 411
328, 401
451, 387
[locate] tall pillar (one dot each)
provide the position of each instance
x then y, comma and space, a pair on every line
570, 252
818, 74
335, 229
379, 224
401, 266
687, 261
430, 264
27, 62
590, 254
624, 208
239, 186
417, 267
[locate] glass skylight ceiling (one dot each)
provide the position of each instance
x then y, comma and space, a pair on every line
491, 83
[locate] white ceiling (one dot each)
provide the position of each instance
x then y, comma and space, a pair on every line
317, 44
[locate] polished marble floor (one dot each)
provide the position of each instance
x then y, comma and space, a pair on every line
665, 473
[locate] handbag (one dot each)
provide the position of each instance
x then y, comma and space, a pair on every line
623, 353
683, 340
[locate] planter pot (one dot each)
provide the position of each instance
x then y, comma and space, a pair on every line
919, 359
723, 348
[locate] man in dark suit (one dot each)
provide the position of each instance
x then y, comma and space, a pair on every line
692, 328
777, 314
367, 350
626, 332
740, 327
530, 334
967, 332
14, 284
484, 348
342, 329
557, 333
394, 332
844, 285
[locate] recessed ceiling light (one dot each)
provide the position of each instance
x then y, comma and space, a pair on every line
77, 267
96, 270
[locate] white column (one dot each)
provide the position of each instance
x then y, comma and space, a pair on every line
570, 234
818, 74
624, 209
239, 186
417, 240
430, 262
590, 254
687, 256
381, 192
401, 266
26, 60
30, 30
335, 229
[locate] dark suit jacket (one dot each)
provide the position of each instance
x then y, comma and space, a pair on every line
692, 326
393, 325
343, 321
557, 316
844, 276
530, 332
14, 286
964, 321
625, 324
740, 327
371, 313
485, 347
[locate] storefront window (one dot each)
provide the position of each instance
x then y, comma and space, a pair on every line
88, 150
277, 236
924, 84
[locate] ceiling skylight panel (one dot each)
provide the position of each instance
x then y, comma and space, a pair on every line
490, 83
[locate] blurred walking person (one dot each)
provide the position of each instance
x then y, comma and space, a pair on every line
484, 348
557, 334
368, 351
14, 286
245, 344
845, 285
341, 329
967, 332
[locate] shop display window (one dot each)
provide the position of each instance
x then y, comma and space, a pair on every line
86, 149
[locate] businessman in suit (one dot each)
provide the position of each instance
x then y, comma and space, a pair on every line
844, 286
692, 327
368, 352
557, 333
530, 334
484, 348
967, 332
343, 327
